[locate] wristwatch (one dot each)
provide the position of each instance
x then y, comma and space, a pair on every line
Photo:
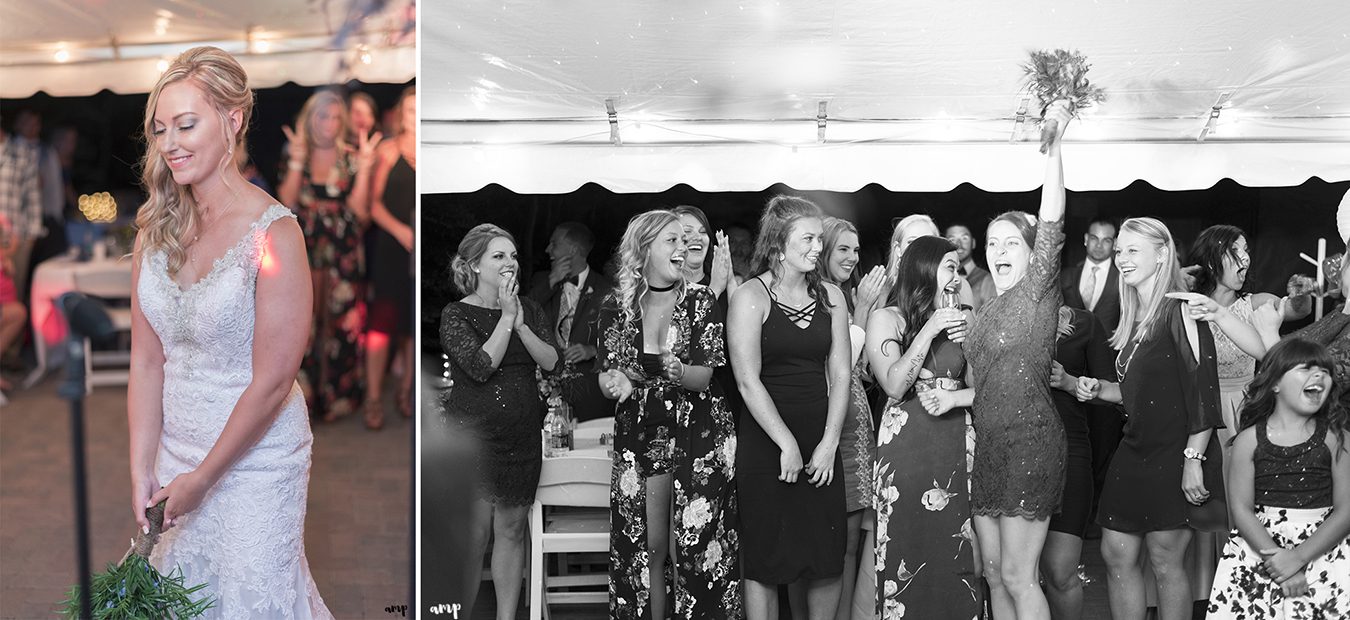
1193, 454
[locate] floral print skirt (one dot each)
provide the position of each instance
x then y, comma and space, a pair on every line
1241, 592
924, 544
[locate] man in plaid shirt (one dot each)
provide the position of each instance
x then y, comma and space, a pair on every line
21, 197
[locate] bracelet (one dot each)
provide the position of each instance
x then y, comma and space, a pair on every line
681, 377
295, 165
1193, 454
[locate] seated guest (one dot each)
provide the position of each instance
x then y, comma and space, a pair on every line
570, 293
981, 285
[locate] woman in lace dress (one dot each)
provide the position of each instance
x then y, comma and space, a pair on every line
218, 267
674, 438
327, 182
497, 340
1020, 456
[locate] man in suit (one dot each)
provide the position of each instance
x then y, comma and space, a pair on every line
981, 283
1092, 284
570, 293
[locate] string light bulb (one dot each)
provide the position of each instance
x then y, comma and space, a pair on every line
99, 208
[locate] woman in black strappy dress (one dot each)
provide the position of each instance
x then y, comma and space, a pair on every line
790, 351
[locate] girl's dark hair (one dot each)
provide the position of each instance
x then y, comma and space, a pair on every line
702, 219
1288, 354
915, 283
775, 224
1211, 246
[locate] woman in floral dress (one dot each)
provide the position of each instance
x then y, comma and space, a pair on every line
674, 438
925, 446
327, 183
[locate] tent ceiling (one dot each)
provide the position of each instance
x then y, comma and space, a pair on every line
503, 80
78, 47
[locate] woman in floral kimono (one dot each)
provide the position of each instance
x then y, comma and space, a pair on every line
674, 438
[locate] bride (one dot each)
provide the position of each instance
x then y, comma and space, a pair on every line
218, 266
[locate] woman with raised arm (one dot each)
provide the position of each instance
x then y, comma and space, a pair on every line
327, 182
496, 340
1020, 457
213, 406
1164, 483
788, 332
674, 438
924, 543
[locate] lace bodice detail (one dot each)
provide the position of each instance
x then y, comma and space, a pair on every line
246, 539
1233, 363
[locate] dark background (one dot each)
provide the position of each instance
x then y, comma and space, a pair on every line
111, 139
1280, 221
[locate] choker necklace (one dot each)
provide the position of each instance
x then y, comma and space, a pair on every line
660, 289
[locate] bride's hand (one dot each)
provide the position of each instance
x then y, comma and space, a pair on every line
184, 493
142, 488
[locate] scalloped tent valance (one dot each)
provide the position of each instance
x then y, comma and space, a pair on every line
80, 47
644, 94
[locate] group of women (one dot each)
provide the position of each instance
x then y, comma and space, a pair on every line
977, 486
343, 181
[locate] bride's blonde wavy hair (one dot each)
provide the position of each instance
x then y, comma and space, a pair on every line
171, 211
633, 251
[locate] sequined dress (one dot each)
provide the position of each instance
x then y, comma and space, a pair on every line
1020, 458
501, 405
246, 539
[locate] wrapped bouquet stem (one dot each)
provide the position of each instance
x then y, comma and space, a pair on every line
1055, 75
133, 589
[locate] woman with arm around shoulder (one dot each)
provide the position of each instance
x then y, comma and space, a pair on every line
924, 542
496, 339
660, 340
213, 406
1164, 483
1289, 494
788, 334
327, 183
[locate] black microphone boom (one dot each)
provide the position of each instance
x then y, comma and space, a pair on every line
86, 317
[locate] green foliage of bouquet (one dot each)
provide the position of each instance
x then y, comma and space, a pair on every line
1060, 74
133, 589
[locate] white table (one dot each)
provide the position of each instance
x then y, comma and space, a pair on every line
51, 279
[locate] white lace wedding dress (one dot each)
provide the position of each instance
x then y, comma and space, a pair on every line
246, 539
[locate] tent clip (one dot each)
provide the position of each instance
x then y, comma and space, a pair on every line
821, 117
1021, 119
1213, 119
613, 123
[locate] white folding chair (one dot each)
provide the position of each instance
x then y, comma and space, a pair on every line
569, 482
110, 285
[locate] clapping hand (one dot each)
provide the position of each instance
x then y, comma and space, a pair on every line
510, 304
871, 287
721, 277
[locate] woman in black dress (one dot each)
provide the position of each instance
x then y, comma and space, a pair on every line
674, 440
1165, 480
496, 340
789, 340
1081, 350
391, 316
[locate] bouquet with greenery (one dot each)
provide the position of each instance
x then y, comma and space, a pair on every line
1060, 74
133, 589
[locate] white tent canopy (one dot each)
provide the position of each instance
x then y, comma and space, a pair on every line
79, 47
915, 96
